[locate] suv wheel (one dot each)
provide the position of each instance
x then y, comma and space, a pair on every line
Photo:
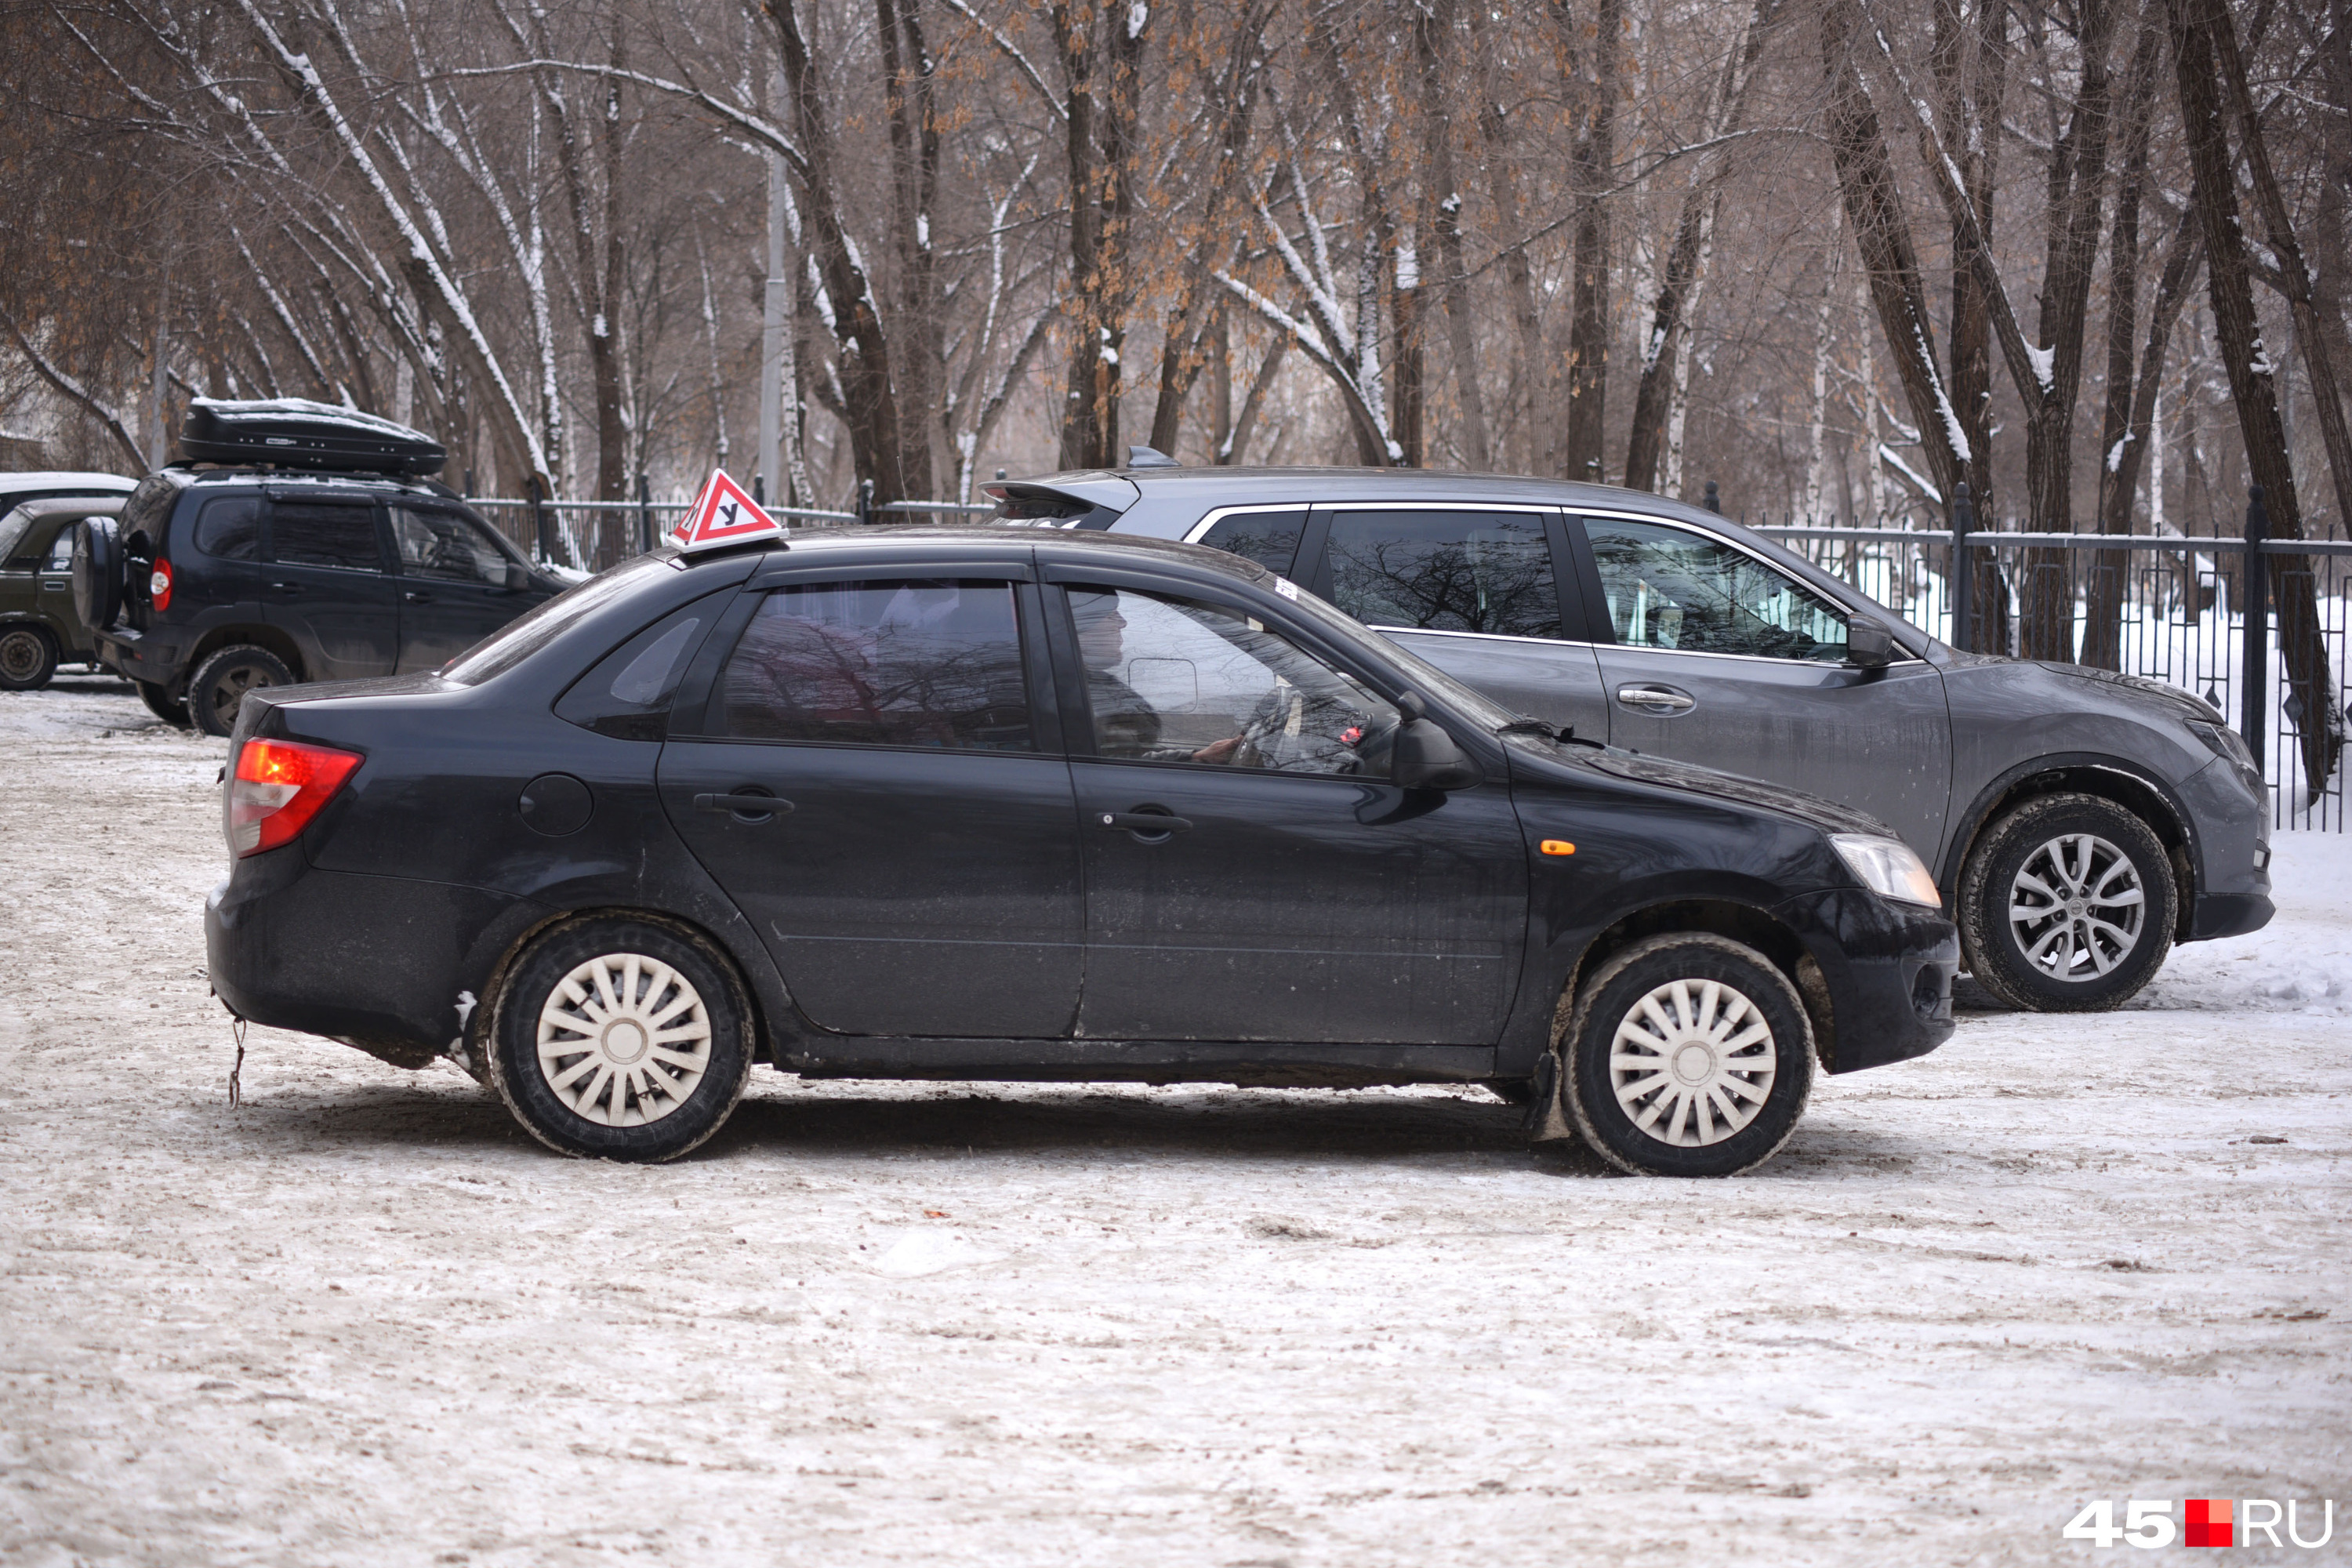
27, 659
217, 690
2067, 905
159, 702
1688, 1055
621, 1038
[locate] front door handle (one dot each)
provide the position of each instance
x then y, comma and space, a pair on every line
1154, 825
1660, 696
286, 587
745, 806
413, 598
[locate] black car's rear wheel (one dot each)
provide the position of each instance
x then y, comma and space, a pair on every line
216, 691
621, 1039
1688, 1055
159, 702
27, 657
2067, 905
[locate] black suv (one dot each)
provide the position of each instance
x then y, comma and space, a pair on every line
973, 803
218, 580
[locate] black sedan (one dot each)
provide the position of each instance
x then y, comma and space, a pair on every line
964, 804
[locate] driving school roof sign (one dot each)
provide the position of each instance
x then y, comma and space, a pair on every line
723, 514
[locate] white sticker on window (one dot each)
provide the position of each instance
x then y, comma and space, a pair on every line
1285, 588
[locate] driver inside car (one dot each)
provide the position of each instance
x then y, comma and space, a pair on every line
1305, 720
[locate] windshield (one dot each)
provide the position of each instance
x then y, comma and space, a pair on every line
519, 639
1473, 705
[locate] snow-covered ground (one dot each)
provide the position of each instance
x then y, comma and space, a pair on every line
362, 1320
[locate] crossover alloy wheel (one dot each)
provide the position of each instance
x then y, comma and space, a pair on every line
2067, 905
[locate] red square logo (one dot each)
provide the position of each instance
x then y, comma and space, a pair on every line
2208, 1522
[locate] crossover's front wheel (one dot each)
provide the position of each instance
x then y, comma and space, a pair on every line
623, 1039
1687, 1055
2067, 905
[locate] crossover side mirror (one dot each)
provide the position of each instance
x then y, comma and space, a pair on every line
518, 576
1424, 756
1869, 644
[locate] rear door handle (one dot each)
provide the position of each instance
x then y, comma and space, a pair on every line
1664, 697
413, 598
759, 808
1158, 822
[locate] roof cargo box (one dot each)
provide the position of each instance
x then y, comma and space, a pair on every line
296, 433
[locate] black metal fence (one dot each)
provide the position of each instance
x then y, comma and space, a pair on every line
2163, 607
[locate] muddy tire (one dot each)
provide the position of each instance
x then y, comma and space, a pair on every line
1687, 1055
217, 690
28, 657
2067, 906
159, 702
621, 1040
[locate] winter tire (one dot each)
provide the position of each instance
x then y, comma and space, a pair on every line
159, 702
217, 690
621, 1039
1687, 1055
2067, 906
27, 657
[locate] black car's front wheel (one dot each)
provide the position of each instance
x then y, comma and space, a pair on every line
27, 659
621, 1038
1687, 1055
2067, 905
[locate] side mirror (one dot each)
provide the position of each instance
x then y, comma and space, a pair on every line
1869, 644
1425, 757
518, 576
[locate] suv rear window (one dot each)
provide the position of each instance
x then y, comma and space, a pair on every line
229, 528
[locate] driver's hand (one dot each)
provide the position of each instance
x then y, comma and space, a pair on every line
1219, 751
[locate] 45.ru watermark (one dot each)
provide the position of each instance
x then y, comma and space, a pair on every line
2205, 1521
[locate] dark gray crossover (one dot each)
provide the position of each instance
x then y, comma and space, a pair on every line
973, 804
2078, 822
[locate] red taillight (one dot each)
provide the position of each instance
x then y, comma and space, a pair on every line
279, 787
159, 585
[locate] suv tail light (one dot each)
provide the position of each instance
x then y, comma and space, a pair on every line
278, 788
159, 585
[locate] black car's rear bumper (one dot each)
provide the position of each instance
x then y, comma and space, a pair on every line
1886, 972
389, 964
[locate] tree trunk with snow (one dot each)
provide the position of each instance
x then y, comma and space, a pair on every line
2252, 387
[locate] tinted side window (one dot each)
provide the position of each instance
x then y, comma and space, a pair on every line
1670, 589
435, 544
1268, 538
914, 663
229, 528
627, 693
319, 533
1446, 570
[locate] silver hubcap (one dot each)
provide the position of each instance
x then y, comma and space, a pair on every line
624, 1039
1693, 1062
2076, 907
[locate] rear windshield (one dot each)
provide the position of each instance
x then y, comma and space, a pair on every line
519, 639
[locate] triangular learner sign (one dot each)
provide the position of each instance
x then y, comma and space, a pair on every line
723, 514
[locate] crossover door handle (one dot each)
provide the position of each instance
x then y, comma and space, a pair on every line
748, 806
1664, 697
1154, 825
413, 598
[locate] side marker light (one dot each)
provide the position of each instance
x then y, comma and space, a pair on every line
1557, 847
